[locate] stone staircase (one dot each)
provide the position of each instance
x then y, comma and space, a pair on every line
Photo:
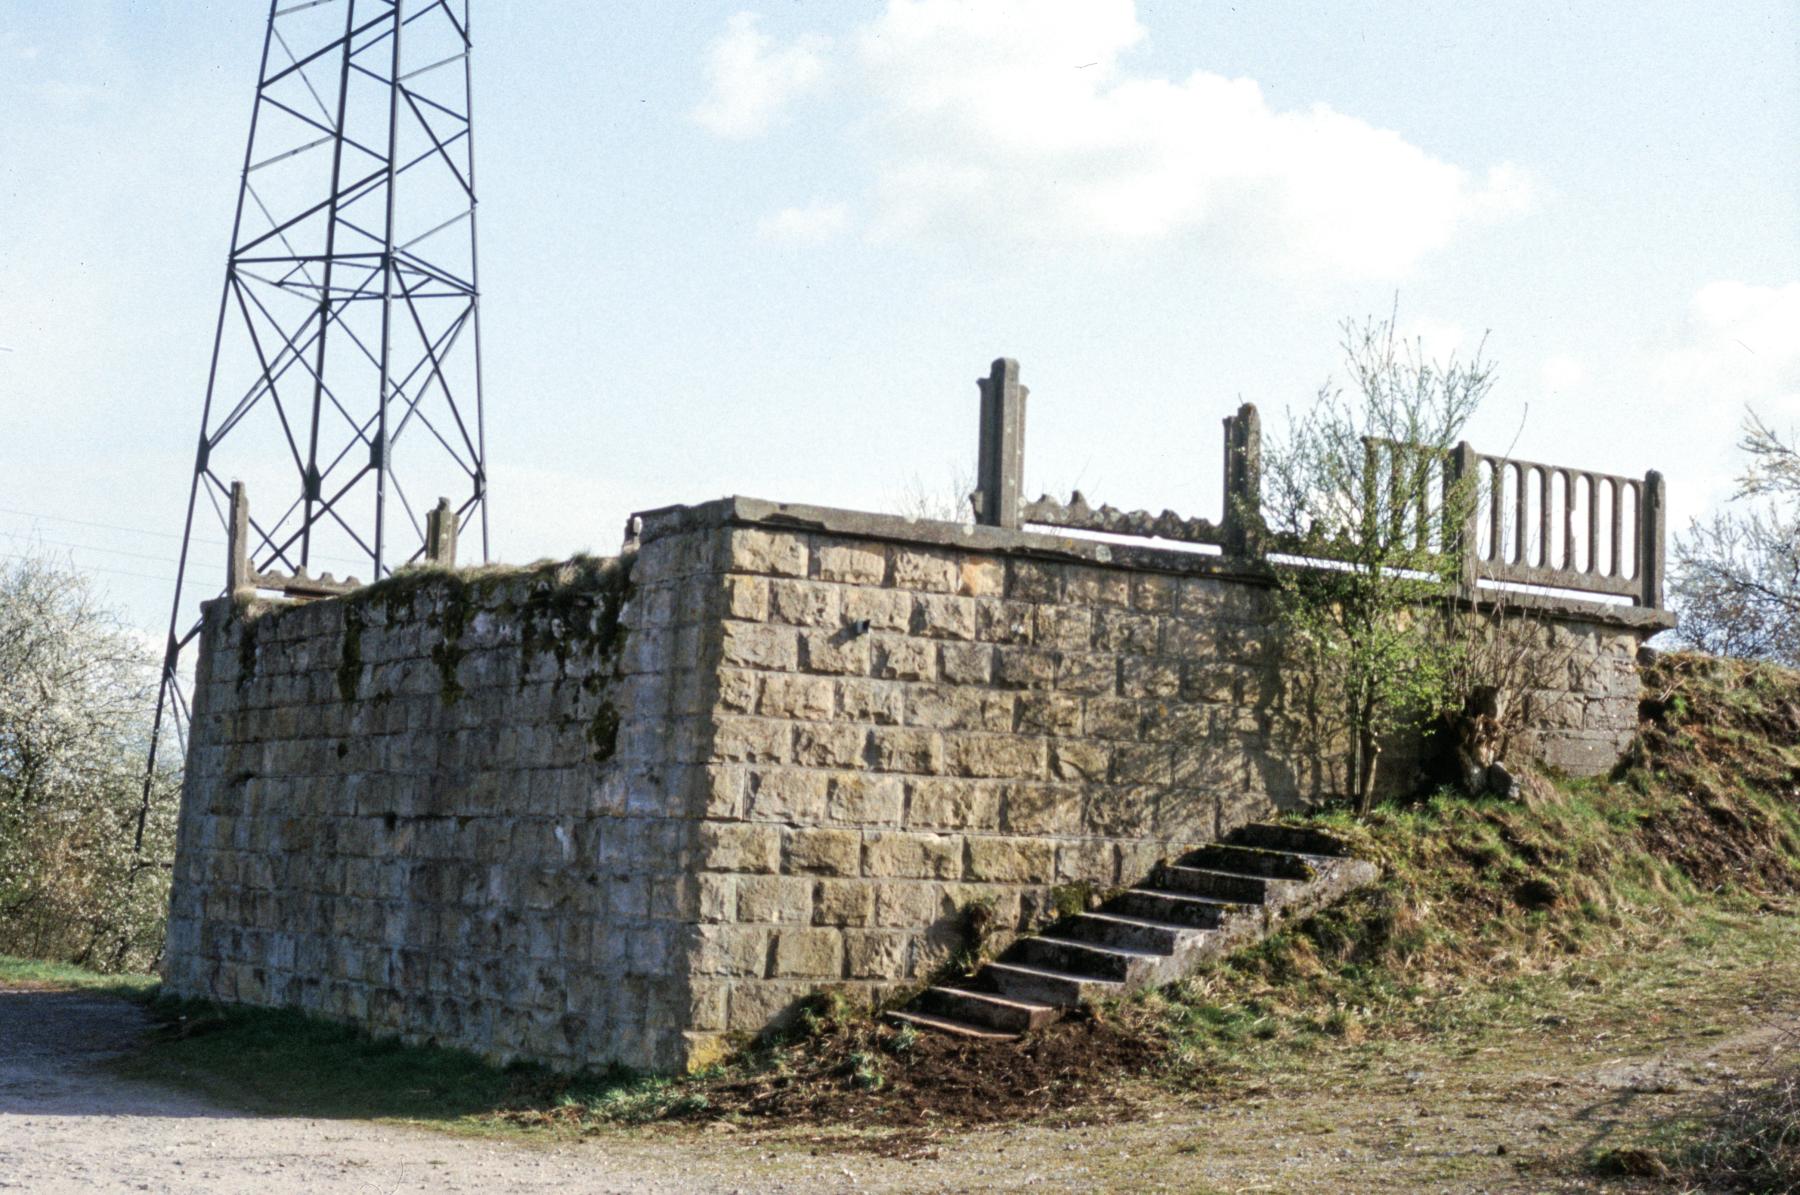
1205, 904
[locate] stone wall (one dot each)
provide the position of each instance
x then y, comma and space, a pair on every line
438, 808
570, 818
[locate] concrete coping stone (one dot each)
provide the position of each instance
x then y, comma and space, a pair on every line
739, 511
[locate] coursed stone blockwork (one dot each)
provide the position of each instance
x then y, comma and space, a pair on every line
598, 822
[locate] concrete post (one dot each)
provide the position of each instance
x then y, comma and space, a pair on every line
440, 534
1462, 498
238, 575
1000, 469
1243, 482
1652, 531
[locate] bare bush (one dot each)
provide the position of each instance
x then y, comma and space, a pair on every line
75, 697
1736, 584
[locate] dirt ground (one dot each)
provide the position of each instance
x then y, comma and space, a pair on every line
1424, 1118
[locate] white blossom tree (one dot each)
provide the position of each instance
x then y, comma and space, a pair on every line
76, 689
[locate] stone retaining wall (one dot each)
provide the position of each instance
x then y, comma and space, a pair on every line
583, 821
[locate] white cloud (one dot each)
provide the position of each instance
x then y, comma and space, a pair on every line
1017, 118
753, 79
817, 222
1739, 346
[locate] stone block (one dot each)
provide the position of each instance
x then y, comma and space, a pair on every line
843, 902
752, 740
967, 663
808, 953
759, 645
774, 900
715, 792
982, 576
1075, 759
898, 658
1142, 763
765, 1007
730, 950
1024, 668
1112, 718
1011, 860
747, 598
1126, 631
908, 903
1209, 681
943, 616
807, 698
823, 852
1053, 809
1084, 861
1005, 622
953, 805
902, 855
737, 690
880, 702
1140, 677
830, 746
1154, 593
787, 795
914, 751
926, 570
1096, 586
738, 847
876, 954
804, 603
1049, 714
781, 554
1033, 581
882, 609
856, 564
998, 756
1187, 639
860, 799
1122, 811
835, 653
1070, 628
1093, 673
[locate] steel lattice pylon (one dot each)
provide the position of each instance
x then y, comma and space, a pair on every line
345, 384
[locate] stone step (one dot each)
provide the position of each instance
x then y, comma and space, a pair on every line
1298, 839
1249, 860
1004, 1014
1079, 958
1220, 885
1210, 901
1026, 981
1108, 928
1175, 908
925, 1020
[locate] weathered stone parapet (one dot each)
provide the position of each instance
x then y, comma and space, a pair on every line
593, 814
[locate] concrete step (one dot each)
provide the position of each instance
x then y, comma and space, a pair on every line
1298, 839
1026, 981
1079, 958
1249, 860
1108, 928
925, 1020
1175, 908
989, 1010
1219, 885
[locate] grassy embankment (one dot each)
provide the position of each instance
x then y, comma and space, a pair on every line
1599, 911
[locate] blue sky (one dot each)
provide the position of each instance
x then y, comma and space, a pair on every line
768, 250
